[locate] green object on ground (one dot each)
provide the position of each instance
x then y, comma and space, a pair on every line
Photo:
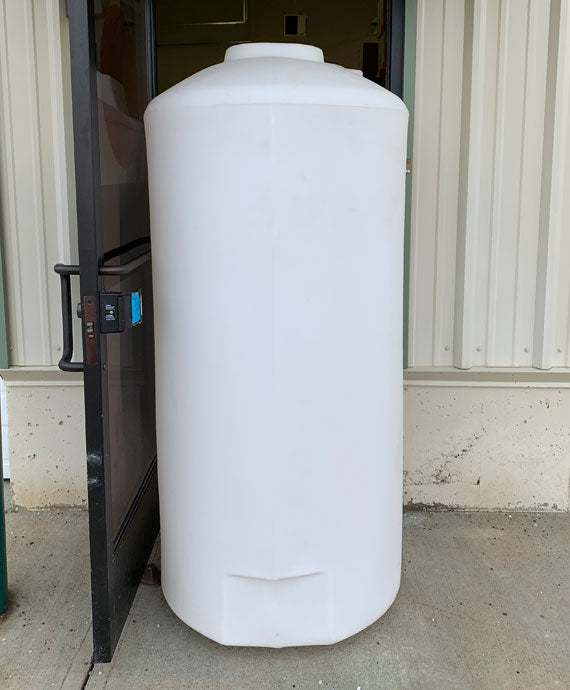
3, 571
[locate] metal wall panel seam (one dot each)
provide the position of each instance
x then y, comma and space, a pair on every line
438, 234
552, 193
470, 182
62, 210
516, 336
497, 181
409, 86
564, 180
447, 191
42, 237
9, 206
416, 182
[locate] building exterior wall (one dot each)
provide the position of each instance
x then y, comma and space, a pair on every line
489, 256
489, 284
38, 225
484, 444
37, 177
47, 438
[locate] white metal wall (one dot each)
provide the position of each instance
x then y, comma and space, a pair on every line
490, 245
37, 198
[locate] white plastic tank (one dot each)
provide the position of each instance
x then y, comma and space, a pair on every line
277, 214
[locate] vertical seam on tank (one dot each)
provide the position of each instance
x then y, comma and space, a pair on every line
274, 378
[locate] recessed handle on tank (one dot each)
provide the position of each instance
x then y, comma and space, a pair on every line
65, 271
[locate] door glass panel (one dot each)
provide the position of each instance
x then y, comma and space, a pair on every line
122, 96
130, 390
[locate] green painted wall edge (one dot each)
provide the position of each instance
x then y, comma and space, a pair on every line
3, 365
3, 569
3, 329
409, 93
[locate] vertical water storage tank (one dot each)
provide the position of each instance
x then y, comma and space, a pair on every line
277, 215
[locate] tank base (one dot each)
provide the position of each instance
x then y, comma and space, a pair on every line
288, 612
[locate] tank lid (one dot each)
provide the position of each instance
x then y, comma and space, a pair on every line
296, 51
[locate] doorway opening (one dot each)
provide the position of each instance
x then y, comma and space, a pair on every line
115, 47
356, 34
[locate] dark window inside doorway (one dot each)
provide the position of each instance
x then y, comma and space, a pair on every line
122, 95
195, 35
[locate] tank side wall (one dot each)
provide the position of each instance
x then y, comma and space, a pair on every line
277, 258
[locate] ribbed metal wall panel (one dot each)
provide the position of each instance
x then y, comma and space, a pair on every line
489, 283
36, 174
435, 181
553, 322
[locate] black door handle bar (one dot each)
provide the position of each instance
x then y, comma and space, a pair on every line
65, 271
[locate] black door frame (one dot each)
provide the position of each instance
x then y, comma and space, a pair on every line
396, 16
117, 562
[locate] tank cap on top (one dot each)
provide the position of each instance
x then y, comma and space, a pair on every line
296, 51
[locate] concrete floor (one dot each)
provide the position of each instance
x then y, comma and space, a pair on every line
484, 604
45, 634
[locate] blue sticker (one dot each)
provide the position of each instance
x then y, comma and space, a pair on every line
136, 307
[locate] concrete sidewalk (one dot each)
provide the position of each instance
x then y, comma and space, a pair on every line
484, 604
45, 634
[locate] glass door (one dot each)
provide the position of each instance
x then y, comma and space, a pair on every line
113, 79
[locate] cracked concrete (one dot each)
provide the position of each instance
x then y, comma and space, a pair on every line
446, 467
483, 606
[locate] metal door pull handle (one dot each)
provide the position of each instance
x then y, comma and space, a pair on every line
65, 271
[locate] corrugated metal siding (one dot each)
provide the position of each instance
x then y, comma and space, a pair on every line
437, 125
36, 174
491, 166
